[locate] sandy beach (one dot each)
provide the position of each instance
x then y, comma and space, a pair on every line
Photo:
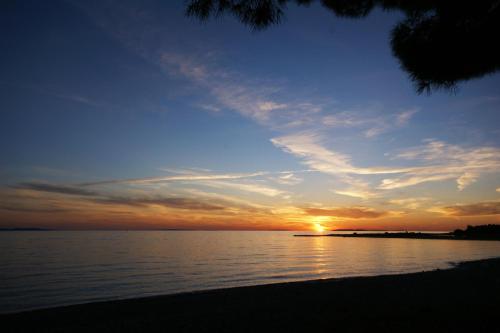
464, 298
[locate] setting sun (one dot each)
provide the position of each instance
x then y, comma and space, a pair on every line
318, 227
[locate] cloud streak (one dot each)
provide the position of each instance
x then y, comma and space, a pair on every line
52, 188
346, 212
182, 177
168, 202
308, 146
410, 203
250, 99
373, 125
438, 162
475, 209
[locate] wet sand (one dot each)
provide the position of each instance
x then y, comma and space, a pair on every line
462, 299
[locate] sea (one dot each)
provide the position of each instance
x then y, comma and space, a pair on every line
42, 269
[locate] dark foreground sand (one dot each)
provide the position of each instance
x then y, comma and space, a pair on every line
465, 299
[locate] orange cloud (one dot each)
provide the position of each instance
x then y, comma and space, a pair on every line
347, 212
475, 209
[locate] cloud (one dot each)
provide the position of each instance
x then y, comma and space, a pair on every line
357, 188
308, 146
229, 201
270, 106
345, 119
438, 162
466, 179
475, 209
51, 91
257, 99
374, 125
347, 212
182, 177
410, 203
375, 131
403, 118
210, 107
357, 193
385, 124
288, 179
22, 208
93, 196
247, 187
249, 98
185, 66
394, 183
195, 200
168, 202
79, 99
52, 188
446, 161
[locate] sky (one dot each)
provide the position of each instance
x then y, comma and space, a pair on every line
130, 115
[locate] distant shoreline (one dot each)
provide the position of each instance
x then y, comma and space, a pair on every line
25, 229
455, 299
408, 235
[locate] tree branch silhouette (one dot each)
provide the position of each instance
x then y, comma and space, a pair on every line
439, 43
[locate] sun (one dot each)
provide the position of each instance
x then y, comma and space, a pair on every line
318, 223
318, 227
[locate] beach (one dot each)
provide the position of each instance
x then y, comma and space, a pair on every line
463, 298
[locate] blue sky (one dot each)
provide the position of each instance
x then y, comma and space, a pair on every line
129, 114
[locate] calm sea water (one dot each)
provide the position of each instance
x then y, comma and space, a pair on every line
46, 269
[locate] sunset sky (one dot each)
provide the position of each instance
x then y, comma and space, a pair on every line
129, 115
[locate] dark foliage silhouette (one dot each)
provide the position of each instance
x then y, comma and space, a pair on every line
439, 43
487, 231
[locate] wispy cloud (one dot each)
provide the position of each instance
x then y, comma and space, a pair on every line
346, 212
309, 147
357, 193
435, 161
247, 187
57, 92
395, 183
288, 179
80, 99
410, 203
54, 188
466, 179
168, 202
52, 203
250, 99
182, 177
475, 209
370, 125
253, 182
16, 207
270, 106
228, 200
404, 117
210, 107
357, 188
441, 161
257, 99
